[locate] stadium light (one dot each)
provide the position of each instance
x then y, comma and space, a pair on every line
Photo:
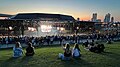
10, 28
62, 29
46, 28
31, 29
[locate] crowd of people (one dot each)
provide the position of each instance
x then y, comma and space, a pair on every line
94, 47
75, 52
30, 51
61, 39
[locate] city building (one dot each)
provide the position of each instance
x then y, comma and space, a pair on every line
94, 17
112, 19
106, 28
107, 17
85, 27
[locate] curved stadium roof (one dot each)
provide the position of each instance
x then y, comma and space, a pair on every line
43, 16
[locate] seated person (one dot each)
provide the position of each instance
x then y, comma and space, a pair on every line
76, 51
30, 50
86, 44
100, 48
92, 44
67, 53
97, 48
109, 41
93, 48
17, 50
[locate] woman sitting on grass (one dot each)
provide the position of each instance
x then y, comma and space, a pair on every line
76, 51
67, 53
30, 50
98, 48
17, 50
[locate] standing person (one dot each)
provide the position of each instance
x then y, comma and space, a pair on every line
51, 40
30, 50
76, 51
6, 41
67, 52
17, 50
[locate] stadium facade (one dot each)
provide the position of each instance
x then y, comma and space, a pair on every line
42, 24
37, 24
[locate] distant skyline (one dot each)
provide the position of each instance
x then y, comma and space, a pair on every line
76, 8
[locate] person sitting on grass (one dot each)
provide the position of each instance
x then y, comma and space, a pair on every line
109, 41
86, 44
67, 52
100, 48
30, 50
76, 51
17, 50
96, 48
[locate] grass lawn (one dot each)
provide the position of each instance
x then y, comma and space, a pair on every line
48, 57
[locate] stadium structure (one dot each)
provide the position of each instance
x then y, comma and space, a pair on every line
37, 24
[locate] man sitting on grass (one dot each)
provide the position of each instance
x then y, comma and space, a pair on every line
30, 50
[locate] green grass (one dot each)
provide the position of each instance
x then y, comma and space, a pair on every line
48, 57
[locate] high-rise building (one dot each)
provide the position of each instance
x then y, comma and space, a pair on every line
112, 19
107, 17
94, 17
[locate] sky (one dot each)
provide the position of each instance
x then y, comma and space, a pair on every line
76, 8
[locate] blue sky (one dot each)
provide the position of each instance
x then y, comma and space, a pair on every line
77, 8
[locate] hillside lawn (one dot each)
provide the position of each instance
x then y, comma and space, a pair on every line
47, 56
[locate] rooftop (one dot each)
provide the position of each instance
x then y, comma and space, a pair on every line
43, 16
